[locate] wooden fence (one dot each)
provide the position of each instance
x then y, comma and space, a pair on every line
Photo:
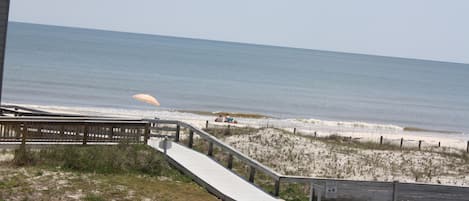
72, 130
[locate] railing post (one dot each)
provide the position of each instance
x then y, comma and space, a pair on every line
146, 134
191, 139
230, 162
178, 130
394, 190
23, 136
210, 149
402, 142
85, 134
252, 174
381, 140
277, 187
294, 130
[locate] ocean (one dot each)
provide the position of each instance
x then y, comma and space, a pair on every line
50, 65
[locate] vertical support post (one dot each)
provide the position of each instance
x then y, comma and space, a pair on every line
311, 192
178, 130
165, 145
210, 149
439, 144
277, 187
206, 124
230, 162
24, 135
4, 13
85, 134
402, 142
420, 144
191, 139
381, 140
294, 130
146, 134
252, 174
395, 190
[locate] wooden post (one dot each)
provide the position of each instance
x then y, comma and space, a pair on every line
111, 133
381, 140
146, 134
252, 174
439, 144
178, 130
402, 142
191, 139
85, 134
230, 162
420, 144
206, 124
23, 136
294, 130
394, 190
277, 188
210, 149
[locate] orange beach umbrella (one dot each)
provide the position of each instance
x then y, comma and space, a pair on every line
147, 99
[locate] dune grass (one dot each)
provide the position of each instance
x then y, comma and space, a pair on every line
95, 173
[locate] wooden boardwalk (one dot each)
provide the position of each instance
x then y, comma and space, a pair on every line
212, 174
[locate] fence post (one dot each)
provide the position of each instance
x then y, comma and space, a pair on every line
277, 187
395, 190
85, 134
206, 124
23, 135
439, 144
402, 142
252, 174
381, 140
420, 144
178, 130
230, 161
210, 149
191, 138
294, 130
146, 134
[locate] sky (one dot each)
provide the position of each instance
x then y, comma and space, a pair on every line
423, 29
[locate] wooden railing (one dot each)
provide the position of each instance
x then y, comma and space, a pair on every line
73, 130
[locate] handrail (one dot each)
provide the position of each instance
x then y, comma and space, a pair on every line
233, 151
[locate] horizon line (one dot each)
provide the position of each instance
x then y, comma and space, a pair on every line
238, 42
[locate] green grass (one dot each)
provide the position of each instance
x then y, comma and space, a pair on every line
123, 158
95, 173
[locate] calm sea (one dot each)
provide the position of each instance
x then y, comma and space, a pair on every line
79, 67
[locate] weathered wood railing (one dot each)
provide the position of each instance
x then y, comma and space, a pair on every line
72, 130
339, 189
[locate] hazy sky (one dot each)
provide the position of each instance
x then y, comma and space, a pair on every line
426, 29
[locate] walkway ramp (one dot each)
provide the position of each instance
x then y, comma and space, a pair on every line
212, 173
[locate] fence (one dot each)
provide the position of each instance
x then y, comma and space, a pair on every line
401, 143
72, 130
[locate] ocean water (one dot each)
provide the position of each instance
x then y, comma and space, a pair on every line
61, 66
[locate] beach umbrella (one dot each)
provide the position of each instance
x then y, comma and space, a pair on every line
147, 99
